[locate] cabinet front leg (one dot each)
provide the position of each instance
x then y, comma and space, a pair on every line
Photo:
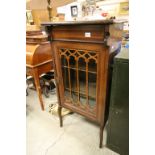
60, 115
101, 135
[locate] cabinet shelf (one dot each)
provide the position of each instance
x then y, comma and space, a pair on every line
82, 98
81, 93
91, 70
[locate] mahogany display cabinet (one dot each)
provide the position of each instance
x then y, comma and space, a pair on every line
82, 52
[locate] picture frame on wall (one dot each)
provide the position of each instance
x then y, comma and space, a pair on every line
124, 8
74, 11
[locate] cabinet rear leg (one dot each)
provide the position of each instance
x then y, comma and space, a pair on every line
60, 115
101, 135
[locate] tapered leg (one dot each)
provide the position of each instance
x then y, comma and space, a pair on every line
38, 88
101, 135
60, 115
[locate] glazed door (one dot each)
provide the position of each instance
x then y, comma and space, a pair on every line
78, 73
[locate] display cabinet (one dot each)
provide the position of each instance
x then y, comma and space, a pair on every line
82, 52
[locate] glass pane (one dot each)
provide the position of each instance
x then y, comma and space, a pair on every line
92, 81
72, 62
83, 99
66, 81
92, 66
82, 87
63, 61
92, 102
82, 64
92, 84
82, 82
67, 94
73, 79
65, 74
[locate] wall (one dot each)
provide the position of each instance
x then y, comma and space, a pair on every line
113, 7
40, 13
39, 8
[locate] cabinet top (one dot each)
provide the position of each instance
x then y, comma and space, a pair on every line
89, 22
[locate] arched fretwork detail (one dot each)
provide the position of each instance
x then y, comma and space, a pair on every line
79, 72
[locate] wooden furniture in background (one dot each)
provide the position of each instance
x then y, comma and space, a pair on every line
82, 56
38, 58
